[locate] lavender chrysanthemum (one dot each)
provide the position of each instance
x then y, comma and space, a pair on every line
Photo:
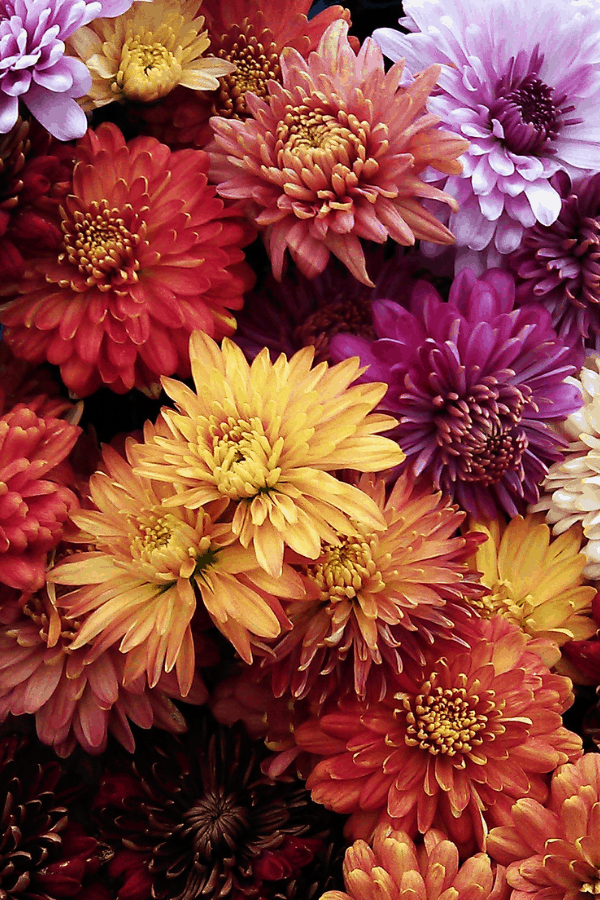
33, 66
527, 97
473, 382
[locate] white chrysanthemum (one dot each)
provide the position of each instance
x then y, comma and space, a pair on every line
572, 487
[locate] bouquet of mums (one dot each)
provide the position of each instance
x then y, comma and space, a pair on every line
299, 450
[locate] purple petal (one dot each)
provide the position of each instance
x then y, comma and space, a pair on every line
9, 111
545, 201
60, 115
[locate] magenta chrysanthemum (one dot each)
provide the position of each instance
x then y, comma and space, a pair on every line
527, 97
473, 383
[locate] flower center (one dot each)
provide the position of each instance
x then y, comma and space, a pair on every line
529, 113
165, 543
215, 823
342, 314
101, 246
315, 134
443, 720
243, 461
257, 62
592, 886
342, 570
147, 71
502, 600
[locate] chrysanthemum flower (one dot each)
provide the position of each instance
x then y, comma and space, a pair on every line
583, 657
34, 503
148, 254
528, 99
571, 491
75, 700
558, 265
33, 67
378, 598
145, 53
265, 438
451, 745
534, 581
474, 383
395, 868
553, 850
335, 155
136, 579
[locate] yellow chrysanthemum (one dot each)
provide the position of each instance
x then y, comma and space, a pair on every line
147, 51
535, 582
136, 580
266, 437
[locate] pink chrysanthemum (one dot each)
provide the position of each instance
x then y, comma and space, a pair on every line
335, 155
452, 743
148, 255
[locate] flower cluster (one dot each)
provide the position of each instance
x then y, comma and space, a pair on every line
299, 450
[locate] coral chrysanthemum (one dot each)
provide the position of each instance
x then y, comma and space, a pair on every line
378, 598
534, 581
553, 850
75, 700
526, 97
451, 745
265, 437
148, 254
571, 492
474, 383
335, 155
145, 53
396, 869
34, 503
136, 579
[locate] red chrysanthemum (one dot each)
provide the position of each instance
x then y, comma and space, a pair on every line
149, 254
451, 746
34, 502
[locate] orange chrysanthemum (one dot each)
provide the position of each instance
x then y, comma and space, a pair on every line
136, 584
335, 155
395, 869
264, 437
378, 598
553, 850
149, 254
451, 745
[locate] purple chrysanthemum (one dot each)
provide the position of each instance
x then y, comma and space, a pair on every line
527, 97
473, 383
33, 66
558, 265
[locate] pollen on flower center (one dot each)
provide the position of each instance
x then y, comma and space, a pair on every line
148, 70
101, 245
215, 822
342, 570
257, 62
243, 461
442, 720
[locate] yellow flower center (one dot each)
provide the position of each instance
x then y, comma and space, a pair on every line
592, 886
256, 60
164, 542
147, 71
316, 132
243, 461
343, 570
505, 601
101, 246
442, 720
51, 624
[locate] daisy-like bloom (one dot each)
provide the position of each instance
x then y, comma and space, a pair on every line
397, 869
265, 437
334, 155
474, 383
527, 98
148, 254
452, 743
34, 502
135, 580
558, 265
378, 598
74, 700
33, 67
571, 490
534, 581
552, 850
142, 55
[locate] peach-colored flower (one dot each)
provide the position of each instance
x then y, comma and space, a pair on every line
395, 869
335, 154
553, 850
